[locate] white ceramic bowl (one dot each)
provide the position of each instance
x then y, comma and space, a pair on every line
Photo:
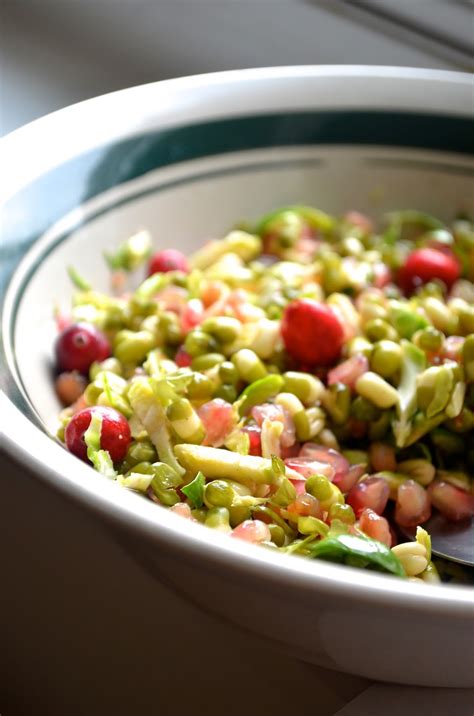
187, 158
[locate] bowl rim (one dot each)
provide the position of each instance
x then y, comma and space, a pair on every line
68, 475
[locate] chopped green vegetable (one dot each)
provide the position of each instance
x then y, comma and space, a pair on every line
151, 414
79, 281
358, 552
194, 490
413, 362
259, 392
286, 375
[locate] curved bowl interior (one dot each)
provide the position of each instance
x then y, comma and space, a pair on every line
329, 154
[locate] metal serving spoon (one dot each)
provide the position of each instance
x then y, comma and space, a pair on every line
451, 540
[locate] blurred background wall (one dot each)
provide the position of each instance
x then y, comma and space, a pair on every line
56, 52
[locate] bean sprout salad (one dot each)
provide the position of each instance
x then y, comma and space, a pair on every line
306, 383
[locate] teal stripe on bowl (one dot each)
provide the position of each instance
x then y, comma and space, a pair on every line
29, 213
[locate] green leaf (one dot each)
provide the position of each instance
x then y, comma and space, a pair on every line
194, 490
358, 551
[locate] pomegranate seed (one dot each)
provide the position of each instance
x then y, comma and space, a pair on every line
305, 505
69, 387
115, 433
78, 405
349, 371
347, 481
79, 345
168, 260
357, 428
268, 411
453, 503
182, 358
413, 504
452, 348
254, 531
359, 221
172, 298
424, 265
382, 275
311, 332
323, 454
192, 315
306, 247
255, 443
63, 320
218, 420
276, 412
307, 466
299, 484
183, 510
372, 492
375, 526
290, 451
382, 457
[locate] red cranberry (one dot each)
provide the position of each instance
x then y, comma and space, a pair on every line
311, 332
78, 346
168, 260
424, 265
115, 433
